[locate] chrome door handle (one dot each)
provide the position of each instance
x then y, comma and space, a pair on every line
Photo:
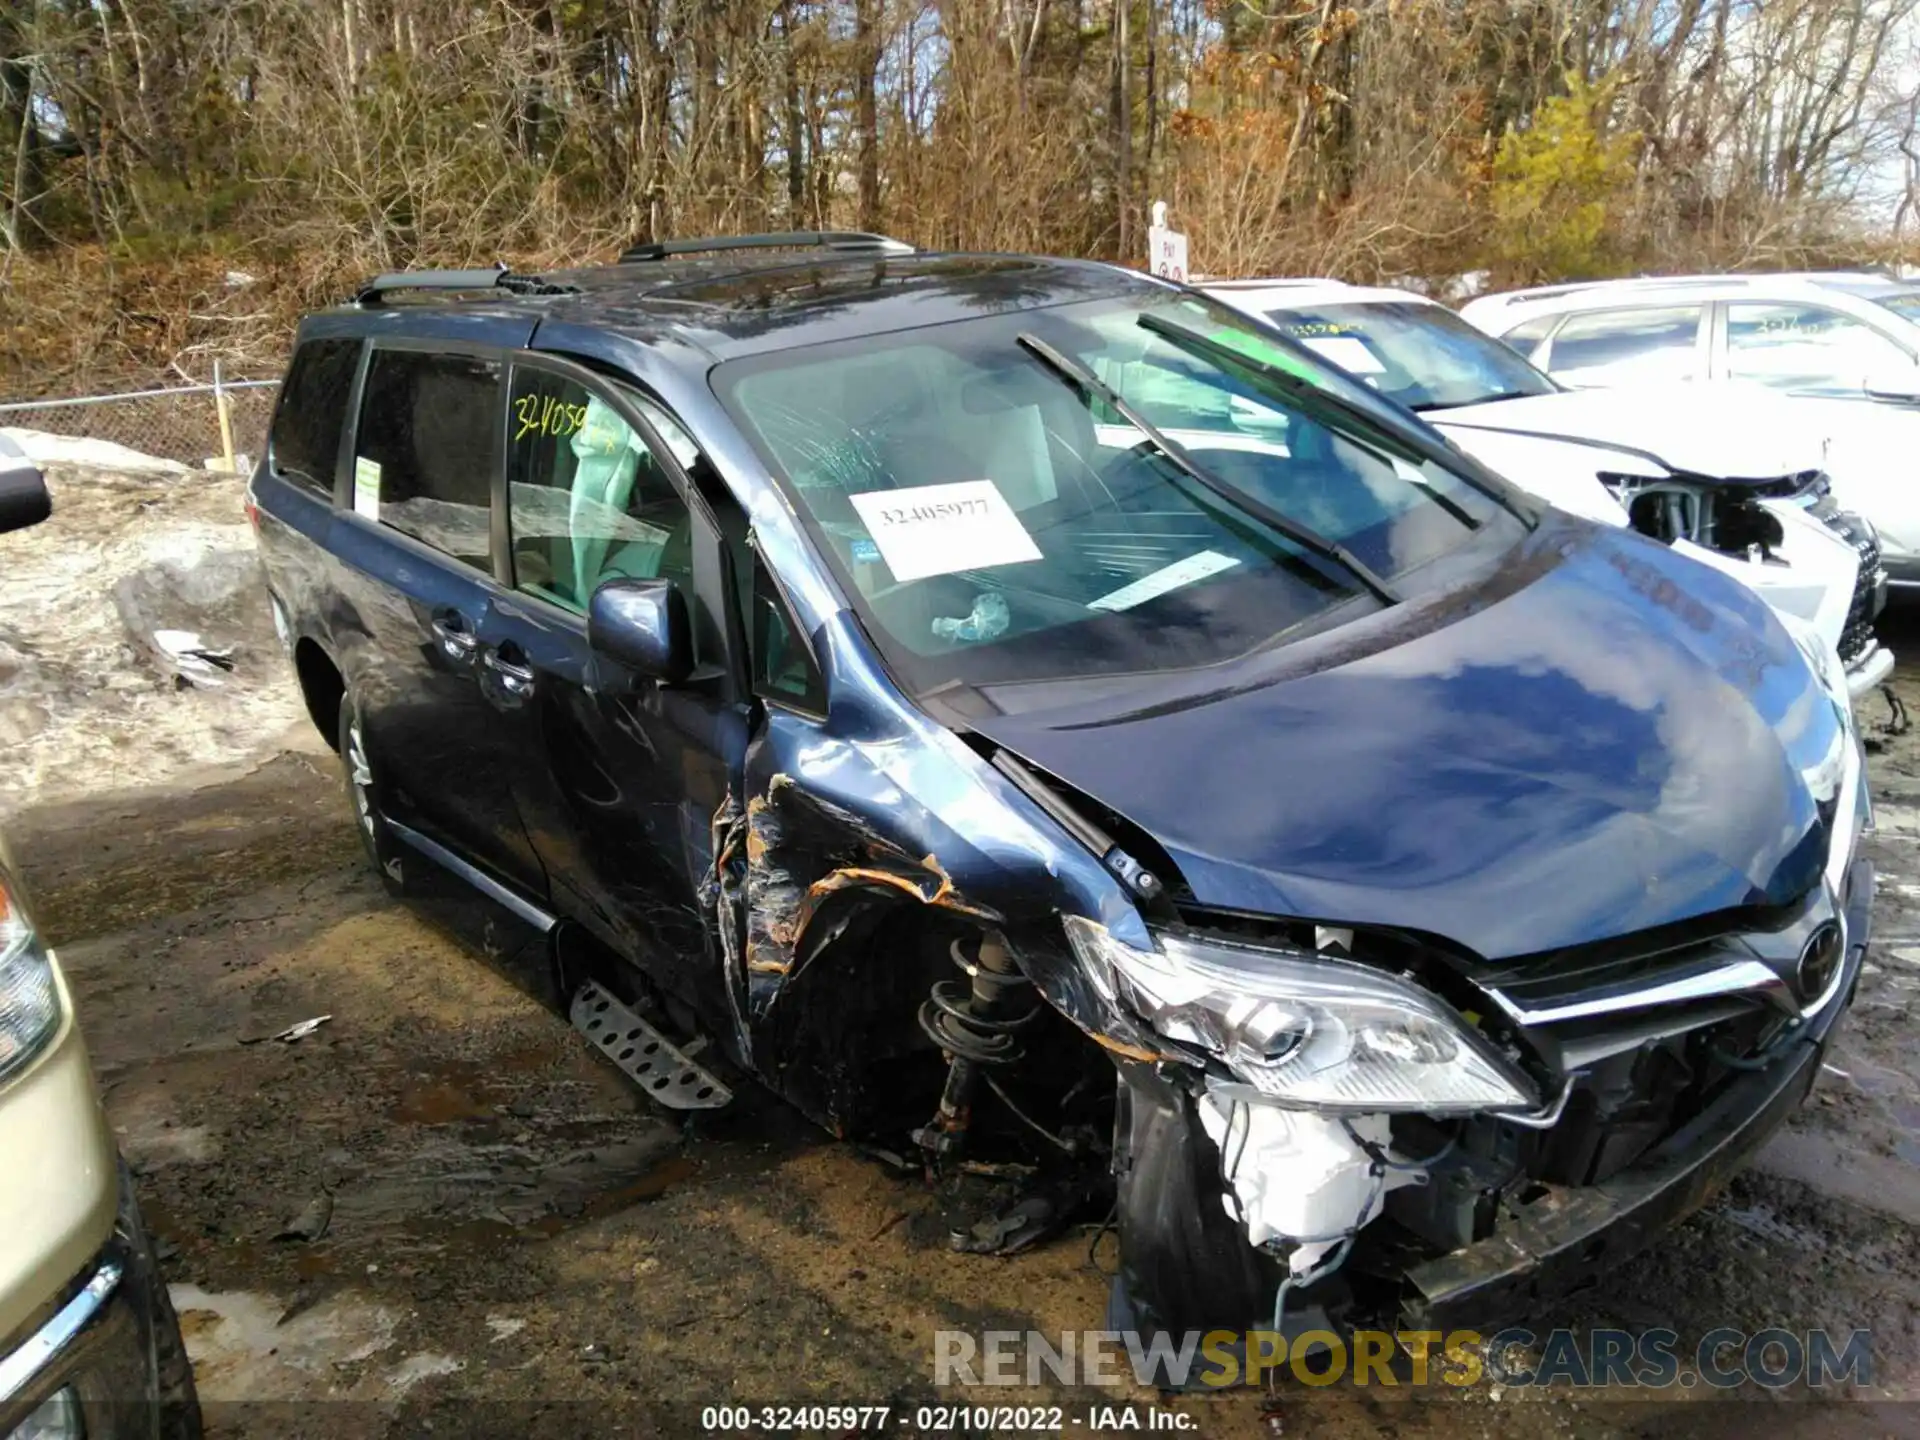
457, 642
515, 680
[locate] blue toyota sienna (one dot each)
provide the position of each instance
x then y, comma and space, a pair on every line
1027, 707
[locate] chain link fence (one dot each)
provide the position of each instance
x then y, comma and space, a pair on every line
188, 423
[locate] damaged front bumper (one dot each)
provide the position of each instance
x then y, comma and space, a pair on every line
1569, 1235
1187, 1264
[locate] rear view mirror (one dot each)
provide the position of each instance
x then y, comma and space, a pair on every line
643, 626
24, 499
1897, 383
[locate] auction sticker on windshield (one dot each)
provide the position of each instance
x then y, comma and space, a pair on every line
1349, 354
941, 529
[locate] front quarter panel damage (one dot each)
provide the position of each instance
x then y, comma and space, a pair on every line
867, 839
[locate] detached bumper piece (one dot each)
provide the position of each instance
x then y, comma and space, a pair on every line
105, 1362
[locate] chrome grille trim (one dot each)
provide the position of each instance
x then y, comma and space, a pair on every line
1719, 976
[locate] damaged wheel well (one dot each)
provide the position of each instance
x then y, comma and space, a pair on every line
321, 687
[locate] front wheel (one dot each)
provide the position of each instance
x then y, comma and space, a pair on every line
383, 847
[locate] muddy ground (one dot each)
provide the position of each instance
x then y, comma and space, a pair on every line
515, 1241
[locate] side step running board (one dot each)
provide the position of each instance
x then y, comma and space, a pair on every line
474, 876
649, 1059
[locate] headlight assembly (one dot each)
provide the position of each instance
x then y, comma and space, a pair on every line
29, 998
1306, 1031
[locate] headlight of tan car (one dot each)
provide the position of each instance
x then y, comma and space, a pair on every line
29, 998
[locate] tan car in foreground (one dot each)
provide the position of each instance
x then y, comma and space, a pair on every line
89, 1344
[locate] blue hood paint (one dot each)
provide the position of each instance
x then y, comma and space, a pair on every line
1616, 744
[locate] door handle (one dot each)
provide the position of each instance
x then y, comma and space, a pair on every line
515, 679
456, 637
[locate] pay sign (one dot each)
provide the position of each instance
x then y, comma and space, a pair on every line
1166, 249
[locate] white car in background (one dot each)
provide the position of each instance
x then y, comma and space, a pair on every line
1719, 476
1843, 344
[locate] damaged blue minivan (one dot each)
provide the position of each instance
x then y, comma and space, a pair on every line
1027, 707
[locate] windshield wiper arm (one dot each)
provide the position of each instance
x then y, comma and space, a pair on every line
1310, 397
1304, 536
1313, 396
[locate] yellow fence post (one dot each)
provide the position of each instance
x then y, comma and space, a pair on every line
225, 410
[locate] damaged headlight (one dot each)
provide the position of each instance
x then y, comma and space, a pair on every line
29, 998
1307, 1031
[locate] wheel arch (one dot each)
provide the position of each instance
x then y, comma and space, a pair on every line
322, 687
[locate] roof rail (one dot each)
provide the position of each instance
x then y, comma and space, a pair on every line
845, 240
1639, 282
375, 291
1277, 283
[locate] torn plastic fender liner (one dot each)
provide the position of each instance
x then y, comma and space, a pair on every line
1200, 1197
1185, 1264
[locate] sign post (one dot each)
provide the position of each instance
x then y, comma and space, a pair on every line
1166, 249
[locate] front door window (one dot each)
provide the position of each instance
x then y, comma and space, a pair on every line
1808, 349
587, 502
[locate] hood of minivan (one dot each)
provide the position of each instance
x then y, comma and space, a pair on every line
1695, 429
1617, 740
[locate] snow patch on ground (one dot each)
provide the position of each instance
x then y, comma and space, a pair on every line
90, 701
250, 1346
415, 1368
45, 449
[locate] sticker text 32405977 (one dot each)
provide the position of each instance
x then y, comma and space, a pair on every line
939, 529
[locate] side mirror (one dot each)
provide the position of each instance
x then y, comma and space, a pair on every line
643, 626
24, 499
1899, 384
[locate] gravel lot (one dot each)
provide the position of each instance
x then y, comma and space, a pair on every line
512, 1231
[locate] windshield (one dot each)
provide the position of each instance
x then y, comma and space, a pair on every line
994, 520
1423, 356
1905, 304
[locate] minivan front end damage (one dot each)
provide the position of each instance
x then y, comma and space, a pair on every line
1277, 1133
1345, 1148
1321, 1122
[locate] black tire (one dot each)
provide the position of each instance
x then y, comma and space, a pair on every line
179, 1401
175, 1400
389, 857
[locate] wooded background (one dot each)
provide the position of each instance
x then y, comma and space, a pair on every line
178, 178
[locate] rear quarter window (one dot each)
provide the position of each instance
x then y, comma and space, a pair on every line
1644, 345
304, 443
427, 447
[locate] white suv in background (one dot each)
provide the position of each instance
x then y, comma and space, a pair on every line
1844, 344
1722, 477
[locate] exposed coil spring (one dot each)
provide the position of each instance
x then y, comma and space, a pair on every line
971, 1021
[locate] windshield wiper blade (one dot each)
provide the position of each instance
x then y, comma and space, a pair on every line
1311, 398
1304, 536
1211, 349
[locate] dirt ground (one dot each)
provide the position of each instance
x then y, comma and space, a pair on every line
516, 1242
